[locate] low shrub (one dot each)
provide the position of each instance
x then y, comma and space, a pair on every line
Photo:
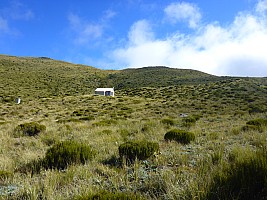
255, 109
255, 125
251, 128
63, 154
103, 195
140, 150
29, 129
180, 136
60, 156
246, 180
258, 122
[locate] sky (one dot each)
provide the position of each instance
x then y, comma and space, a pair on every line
219, 37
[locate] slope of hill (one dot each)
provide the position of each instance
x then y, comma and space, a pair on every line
28, 77
158, 77
226, 115
44, 77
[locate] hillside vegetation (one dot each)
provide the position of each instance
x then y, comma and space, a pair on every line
44, 77
158, 77
167, 134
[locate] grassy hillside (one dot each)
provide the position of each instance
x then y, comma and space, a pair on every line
227, 117
157, 77
44, 77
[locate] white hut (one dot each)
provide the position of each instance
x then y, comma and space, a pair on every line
105, 91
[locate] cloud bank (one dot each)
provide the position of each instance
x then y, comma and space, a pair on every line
236, 49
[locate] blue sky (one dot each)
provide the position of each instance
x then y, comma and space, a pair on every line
221, 37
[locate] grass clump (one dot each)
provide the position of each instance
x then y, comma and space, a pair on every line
255, 125
190, 120
169, 122
60, 156
258, 122
140, 150
180, 136
251, 128
104, 195
29, 129
5, 175
66, 153
33, 167
245, 179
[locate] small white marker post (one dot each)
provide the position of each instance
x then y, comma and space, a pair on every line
18, 100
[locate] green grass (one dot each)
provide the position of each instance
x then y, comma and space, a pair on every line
59, 95
246, 179
29, 129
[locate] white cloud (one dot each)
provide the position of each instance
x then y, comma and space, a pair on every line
108, 14
19, 11
140, 32
261, 6
237, 49
3, 25
84, 31
183, 11
16, 10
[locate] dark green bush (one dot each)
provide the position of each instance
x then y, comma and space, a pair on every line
246, 180
138, 149
30, 129
258, 122
251, 128
255, 125
63, 154
255, 109
180, 136
103, 195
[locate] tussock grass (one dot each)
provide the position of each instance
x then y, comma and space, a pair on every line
246, 179
61, 99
